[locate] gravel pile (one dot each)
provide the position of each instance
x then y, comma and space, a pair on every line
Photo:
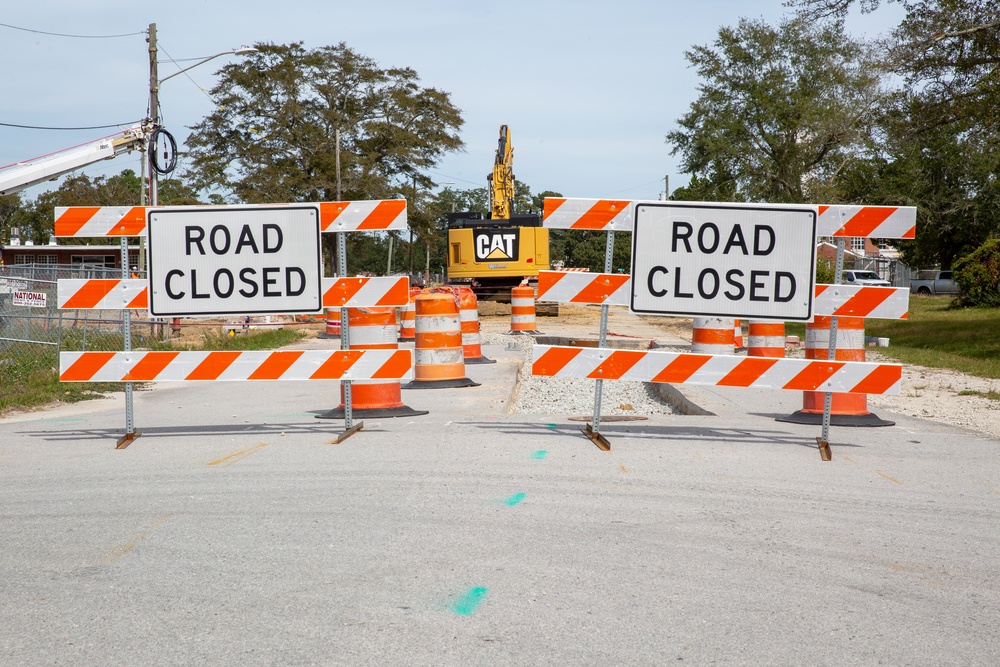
574, 396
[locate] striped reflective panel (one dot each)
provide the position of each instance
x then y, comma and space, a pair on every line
717, 370
612, 289
235, 366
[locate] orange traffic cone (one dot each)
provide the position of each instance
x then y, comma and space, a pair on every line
439, 360
468, 310
373, 329
846, 409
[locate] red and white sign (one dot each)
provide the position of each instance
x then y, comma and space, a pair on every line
30, 299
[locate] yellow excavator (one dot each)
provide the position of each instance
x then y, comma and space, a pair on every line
498, 251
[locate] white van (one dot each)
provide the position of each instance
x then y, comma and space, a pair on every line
867, 278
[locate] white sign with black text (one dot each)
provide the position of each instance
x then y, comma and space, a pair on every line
724, 260
234, 261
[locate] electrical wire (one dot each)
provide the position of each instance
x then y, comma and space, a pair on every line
91, 127
60, 34
170, 155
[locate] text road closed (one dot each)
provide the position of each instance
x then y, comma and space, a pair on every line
724, 260
234, 261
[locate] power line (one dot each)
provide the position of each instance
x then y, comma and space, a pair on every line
60, 34
91, 127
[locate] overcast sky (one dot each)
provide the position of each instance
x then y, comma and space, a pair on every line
589, 89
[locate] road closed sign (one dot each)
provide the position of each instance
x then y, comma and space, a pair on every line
724, 260
234, 261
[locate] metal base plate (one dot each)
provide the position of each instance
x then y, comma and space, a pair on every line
440, 384
596, 438
816, 419
374, 413
127, 440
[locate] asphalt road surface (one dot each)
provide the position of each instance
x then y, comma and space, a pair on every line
232, 533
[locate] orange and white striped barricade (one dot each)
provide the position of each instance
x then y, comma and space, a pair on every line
883, 303
356, 292
373, 329
468, 313
156, 366
847, 409
408, 317
564, 286
886, 222
766, 339
738, 335
114, 221
439, 360
712, 335
716, 370
103, 294
522, 310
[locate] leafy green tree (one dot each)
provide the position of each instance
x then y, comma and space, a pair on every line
780, 109
272, 137
948, 51
9, 206
978, 276
948, 172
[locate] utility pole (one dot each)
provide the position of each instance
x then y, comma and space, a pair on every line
411, 226
666, 186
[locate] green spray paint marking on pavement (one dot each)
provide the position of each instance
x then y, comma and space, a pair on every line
539, 455
514, 499
552, 426
468, 603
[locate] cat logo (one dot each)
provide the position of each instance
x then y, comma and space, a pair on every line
496, 244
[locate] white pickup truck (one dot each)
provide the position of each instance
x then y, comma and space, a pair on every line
935, 282
866, 278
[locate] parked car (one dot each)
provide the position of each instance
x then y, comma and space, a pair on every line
866, 278
937, 282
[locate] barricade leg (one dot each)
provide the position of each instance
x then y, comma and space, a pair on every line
712, 335
846, 409
439, 360
522, 310
373, 329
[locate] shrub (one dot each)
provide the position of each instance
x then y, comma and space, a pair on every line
978, 276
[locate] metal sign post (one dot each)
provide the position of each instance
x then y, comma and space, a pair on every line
824, 440
345, 343
593, 432
130, 433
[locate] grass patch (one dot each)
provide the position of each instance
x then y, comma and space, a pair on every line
31, 372
991, 395
252, 340
938, 335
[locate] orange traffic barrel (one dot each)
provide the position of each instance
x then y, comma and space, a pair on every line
373, 329
468, 313
846, 409
439, 360
332, 324
738, 335
522, 310
407, 316
766, 339
712, 335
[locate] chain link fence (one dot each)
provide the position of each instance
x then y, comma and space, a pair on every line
33, 330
